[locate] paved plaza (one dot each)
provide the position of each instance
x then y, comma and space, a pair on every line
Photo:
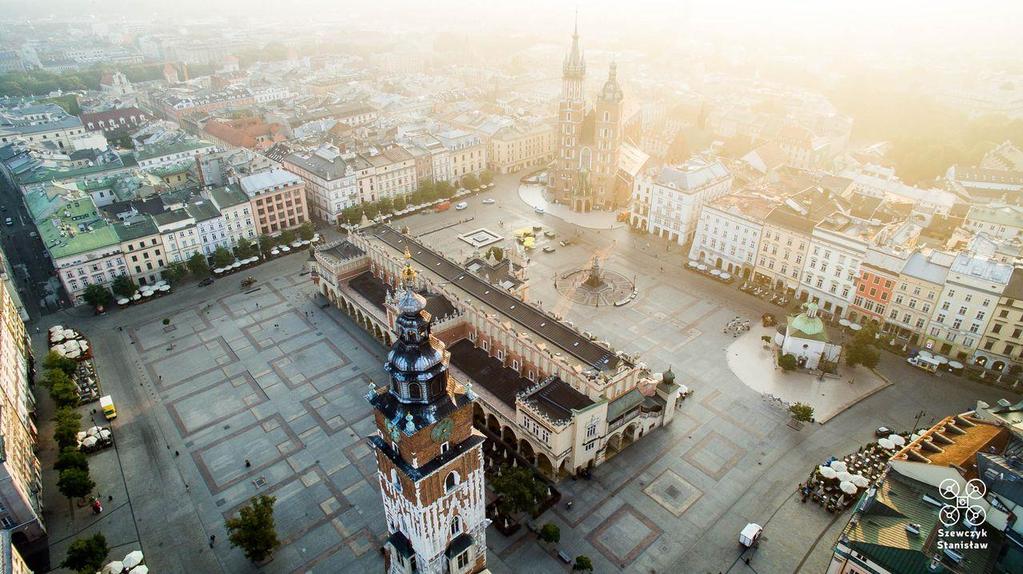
271, 377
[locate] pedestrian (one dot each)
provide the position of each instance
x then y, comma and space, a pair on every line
176, 453
110, 498
213, 538
186, 487
247, 463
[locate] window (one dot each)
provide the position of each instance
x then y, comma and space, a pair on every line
463, 560
456, 526
444, 447
451, 481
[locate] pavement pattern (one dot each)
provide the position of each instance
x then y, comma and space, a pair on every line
270, 377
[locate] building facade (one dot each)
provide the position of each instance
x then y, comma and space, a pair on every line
330, 181
672, 197
728, 232
276, 199
919, 286
143, 249
966, 304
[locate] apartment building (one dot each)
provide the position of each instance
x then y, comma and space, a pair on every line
517, 147
1002, 344
234, 206
179, 235
838, 245
330, 179
667, 201
143, 248
389, 171
917, 291
968, 300
467, 153
785, 240
729, 230
876, 284
277, 200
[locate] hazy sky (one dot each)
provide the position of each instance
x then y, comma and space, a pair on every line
947, 23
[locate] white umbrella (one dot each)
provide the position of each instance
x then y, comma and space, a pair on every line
941, 360
133, 559
839, 466
860, 481
316, 237
115, 567
844, 476
847, 487
56, 328
924, 353
74, 354
160, 283
93, 431
285, 248
701, 267
897, 440
218, 270
955, 364
855, 326
305, 242
57, 337
843, 322
885, 444
80, 435
147, 293
122, 301
274, 251
828, 472
91, 441
143, 569
136, 297
165, 288
296, 243
914, 437
104, 434
725, 276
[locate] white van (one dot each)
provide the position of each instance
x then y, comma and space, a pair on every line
926, 363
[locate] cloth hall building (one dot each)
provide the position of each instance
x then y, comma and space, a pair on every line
562, 400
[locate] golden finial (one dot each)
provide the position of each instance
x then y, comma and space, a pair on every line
408, 274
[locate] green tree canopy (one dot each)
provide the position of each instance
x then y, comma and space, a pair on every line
582, 564
68, 423
519, 489
87, 555
288, 236
862, 349
801, 412
385, 205
243, 249
267, 243
788, 362
470, 181
198, 266
445, 190
487, 177
350, 215
62, 389
71, 457
400, 203
124, 286
75, 483
222, 257
54, 360
175, 272
97, 295
550, 533
253, 530
306, 231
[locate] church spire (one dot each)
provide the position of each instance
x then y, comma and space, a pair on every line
612, 91
575, 63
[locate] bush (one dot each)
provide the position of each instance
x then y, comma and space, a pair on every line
550, 533
582, 564
788, 362
801, 412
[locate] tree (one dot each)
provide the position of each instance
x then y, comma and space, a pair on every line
487, 177
267, 243
306, 231
198, 266
350, 215
87, 555
371, 210
54, 360
519, 490
445, 190
288, 236
71, 457
222, 257
497, 252
75, 483
862, 350
427, 192
550, 533
582, 564
470, 181
176, 272
62, 389
243, 249
97, 295
386, 205
400, 203
68, 423
253, 530
788, 362
124, 286
801, 412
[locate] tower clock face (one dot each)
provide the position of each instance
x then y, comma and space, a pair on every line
442, 431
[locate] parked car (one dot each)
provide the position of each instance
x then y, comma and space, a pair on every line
461, 205
925, 363
206, 282
549, 234
883, 431
489, 201
539, 210
548, 249
565, 242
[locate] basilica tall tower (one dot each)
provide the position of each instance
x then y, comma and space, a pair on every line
564, 179
608, 138
429, 458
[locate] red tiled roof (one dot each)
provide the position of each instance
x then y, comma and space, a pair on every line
246, 132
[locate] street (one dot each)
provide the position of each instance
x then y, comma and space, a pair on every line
25, 251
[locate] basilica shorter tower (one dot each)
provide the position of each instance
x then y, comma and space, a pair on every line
429, 458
